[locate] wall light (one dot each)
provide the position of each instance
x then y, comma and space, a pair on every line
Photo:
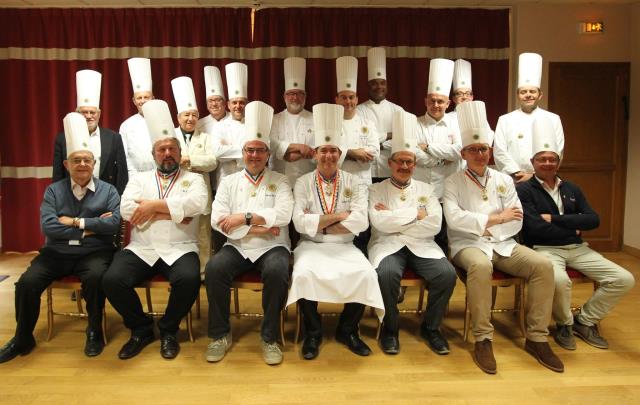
591, 27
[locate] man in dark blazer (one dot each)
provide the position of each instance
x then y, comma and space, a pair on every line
105, 144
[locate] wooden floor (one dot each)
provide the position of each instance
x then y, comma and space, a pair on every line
57, 372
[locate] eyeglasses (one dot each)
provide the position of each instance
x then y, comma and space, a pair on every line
403, 162
473, 150
91, 113
463, 93
77, 161
257, 151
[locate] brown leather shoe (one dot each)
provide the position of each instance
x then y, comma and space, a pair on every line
542, 352
483, 356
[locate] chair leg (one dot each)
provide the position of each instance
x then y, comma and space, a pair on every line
198, 305
467, 318
190, 326
520, 289
283, 318
149, 304
79, 301
421, 299
236, 301
494, 295
49, 314
296, 338
104, 326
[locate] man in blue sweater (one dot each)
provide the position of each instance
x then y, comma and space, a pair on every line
79, 215
555, 215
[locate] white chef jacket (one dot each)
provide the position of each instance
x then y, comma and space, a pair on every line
382, 116
397, 227
359, 132
207, 123
137, 145
228, 137
329, 268
203, 161
287, 129
273, 201
443, 138
467, 213
513, 148
165, 239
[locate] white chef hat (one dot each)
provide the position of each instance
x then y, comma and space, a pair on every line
257, 121
88, 84
213, 81
461, 75
158, 118
440, 76
76, 133
327, 124
184, 94
237, 77
543, 136
295, 70
529, 70
376, 63
140, 73
347, 73
404, 126
472, 119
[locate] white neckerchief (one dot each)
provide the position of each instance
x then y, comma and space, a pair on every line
79, 192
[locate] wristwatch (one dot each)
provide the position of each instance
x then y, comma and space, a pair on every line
247, 218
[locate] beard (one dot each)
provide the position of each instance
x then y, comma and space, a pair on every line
294, 108
168, 166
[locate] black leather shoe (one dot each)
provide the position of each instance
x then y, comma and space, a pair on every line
94, 344
436, 341
12, 349
134, 345
311, 347
169, 347
389, 343
354, 343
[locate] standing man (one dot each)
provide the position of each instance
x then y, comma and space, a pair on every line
164, 208
555, 215
79, 215
405, 216
330, 209
292, 131
215, 100
484, 214
105, 144
197, 153
513, 144
253, 210
134, 132
361, 140
438, 137
379, 110
462, 91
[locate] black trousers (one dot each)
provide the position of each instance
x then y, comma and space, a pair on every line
47, 267
226, 265
128, 270
347, 324
441, 239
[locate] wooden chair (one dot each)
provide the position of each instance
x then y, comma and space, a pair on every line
409, 279
69, 283
160, 281
252, 280
498, 279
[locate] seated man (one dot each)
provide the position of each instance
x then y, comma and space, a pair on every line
163, 207
79, 215
405, 216
484, 213
330, 209
252, 209
555, 214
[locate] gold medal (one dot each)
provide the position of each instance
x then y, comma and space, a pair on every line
403, 197
328, 192
485, 196
253, 193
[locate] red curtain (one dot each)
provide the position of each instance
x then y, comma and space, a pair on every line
40, 51
412, 36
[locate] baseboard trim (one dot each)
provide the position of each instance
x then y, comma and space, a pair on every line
631, 250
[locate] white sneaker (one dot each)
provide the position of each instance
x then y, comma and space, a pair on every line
217, 348
271, 353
